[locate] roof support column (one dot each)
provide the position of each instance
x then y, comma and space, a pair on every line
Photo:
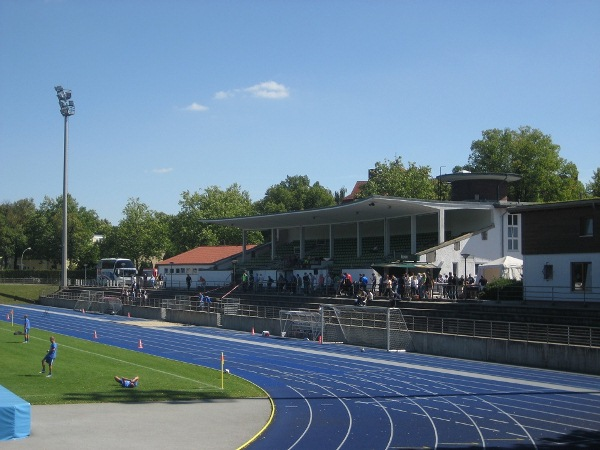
273, 242
441, 225
330, 241
386, 237
301, 242
413, 234
358, 241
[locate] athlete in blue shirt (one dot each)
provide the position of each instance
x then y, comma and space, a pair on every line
126, 382
26, 326
50, 357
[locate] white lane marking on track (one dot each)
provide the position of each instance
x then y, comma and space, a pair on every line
341, 400
310, 417
510, 416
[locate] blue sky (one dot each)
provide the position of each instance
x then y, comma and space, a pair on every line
181, 95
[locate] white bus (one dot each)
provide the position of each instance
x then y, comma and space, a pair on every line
115, 271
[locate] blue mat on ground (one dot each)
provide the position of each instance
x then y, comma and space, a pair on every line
15, 416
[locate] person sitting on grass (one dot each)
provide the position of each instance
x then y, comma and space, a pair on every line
127, 382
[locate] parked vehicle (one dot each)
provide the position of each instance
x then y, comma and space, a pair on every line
115, 271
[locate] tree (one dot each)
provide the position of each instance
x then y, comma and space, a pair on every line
546, 177
44, 231
295, 193
14, 218
340, 195
391, 178
187, 229
593, 187
139, 236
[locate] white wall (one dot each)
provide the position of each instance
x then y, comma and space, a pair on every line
559, 287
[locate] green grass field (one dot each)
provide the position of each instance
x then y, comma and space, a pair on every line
24, 293
84, 371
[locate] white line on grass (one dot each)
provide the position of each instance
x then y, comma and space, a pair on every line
132, 363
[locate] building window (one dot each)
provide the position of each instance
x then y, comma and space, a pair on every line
484, 235
513, 232
586, 227
457, 246
579, 275
548, 271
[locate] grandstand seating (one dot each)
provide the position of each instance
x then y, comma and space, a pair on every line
287, 254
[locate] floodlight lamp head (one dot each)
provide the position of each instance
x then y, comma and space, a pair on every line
58, 88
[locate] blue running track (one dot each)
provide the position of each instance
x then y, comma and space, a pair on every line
335, 396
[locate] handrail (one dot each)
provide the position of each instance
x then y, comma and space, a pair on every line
570, 335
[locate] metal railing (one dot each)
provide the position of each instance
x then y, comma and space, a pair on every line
511, 331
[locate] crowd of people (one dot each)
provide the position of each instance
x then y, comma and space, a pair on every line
135, 295
408, 286
412, 286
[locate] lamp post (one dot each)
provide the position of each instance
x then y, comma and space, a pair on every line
465, 255
67, 108
171, 264
28, 248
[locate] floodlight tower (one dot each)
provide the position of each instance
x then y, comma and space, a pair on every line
67, 108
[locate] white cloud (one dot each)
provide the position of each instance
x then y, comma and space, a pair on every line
196, 107
163, 170
221, 95
267, 89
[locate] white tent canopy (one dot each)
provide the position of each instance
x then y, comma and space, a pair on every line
506, 267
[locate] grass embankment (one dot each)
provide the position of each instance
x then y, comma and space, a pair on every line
84, 371
24, 293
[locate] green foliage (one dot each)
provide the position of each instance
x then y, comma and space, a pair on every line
527, 152
14, 218
593, 187
144, 235
186, 230
503, 289
295, 193
84, 373
340, 195
44, 232
139, 236
392, 178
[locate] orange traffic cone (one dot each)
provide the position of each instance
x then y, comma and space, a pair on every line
83, 311
252, 331
128, 314
320, 339
95, 335
140, 345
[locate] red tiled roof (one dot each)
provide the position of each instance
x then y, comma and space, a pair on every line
352, 195
206, 255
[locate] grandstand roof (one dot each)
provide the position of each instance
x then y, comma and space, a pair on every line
206, 255
371, 208
463, 176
